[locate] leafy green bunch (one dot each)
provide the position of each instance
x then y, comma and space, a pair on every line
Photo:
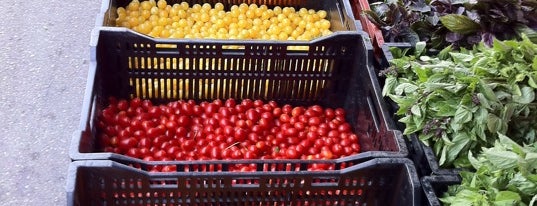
458, 102
506, 174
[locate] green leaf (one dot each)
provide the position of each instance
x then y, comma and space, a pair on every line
407, 88
500, 47
507, 198
459, 24
520, 77
422, 74
487, 91
475, 163
465, 197
509, 143
502, 159
444, 109
443, 156
483, 100
462, 115
410, 129
460, 141
508, 111
527, 96
522, 184
531, 81
515, 90
534, 64
444, 53
419, 48
415, 110
531, 160
389, 85
460, 57
494, 123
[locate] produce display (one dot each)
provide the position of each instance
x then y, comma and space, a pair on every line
181, 20
459, 102
224, 130
456, 23
506, 174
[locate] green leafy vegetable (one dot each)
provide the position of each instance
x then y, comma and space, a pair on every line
461, 102
501, 177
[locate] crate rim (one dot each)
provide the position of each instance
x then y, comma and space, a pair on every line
428, 191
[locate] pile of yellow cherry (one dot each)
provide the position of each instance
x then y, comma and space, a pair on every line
181, 20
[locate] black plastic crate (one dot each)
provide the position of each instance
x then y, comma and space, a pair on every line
330, 73
381, 182
339, 12
434, 186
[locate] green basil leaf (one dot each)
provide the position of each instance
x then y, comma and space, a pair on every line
389, 85
483, 101
509, 143
462, 115
520, 77
487, 91
522, 184
444, 53
502, 159
460, 57
508, 111
407, 88
443, 156
415, 110
507, 198
410, 129
493, 123
460, 141
419, 48
444, 108
515, 90
459, 23
531, 160
475, 163
527, 95
534, 64
531, 81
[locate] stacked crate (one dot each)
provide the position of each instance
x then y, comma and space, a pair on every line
332, 71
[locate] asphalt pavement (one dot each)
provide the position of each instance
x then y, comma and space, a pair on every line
44, 54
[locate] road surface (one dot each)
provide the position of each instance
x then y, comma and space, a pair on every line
45, 54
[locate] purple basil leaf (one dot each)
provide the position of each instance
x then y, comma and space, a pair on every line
420, 6
488, 38
473, 15
460, 10
453, 37
433, 20
473, 39
527, 8
410, 36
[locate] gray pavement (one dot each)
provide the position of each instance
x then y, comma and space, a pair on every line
44, 54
